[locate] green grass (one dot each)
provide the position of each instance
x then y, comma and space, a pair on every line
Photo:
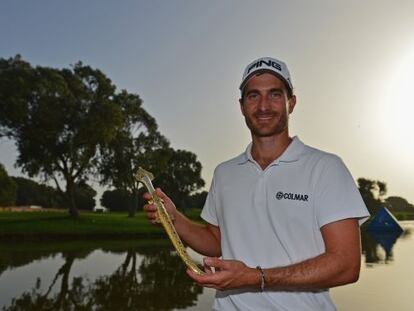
54, 225
58, 226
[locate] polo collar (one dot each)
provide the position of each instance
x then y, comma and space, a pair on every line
291, 154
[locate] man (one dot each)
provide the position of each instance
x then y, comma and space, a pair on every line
283, 217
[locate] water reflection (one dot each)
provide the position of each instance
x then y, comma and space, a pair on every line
377, 246
133, 275
157, 282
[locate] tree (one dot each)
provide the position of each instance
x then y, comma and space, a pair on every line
62, 119
177, 172
84, 196
125, 154
372, 192
180, 177
7, 188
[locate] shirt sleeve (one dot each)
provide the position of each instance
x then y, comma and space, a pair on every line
337, 196
209, 212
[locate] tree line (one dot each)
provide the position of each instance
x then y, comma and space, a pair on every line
22, 192
71, 126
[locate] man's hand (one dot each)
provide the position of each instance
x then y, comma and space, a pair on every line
226, 274
338, 265
151, 210
203, 238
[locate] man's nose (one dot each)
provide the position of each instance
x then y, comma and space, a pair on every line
264, 102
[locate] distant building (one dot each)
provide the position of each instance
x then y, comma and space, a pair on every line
35, 207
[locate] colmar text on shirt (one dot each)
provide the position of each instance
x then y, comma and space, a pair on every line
292, 196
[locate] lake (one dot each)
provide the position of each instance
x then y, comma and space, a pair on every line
148, 275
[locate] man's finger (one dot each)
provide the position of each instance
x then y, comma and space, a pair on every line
160, 194
201, 279
212, 280
150, 208
214, 262
147, 196
208, 269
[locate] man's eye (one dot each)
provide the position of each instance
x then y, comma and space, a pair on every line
253, 96
275, 94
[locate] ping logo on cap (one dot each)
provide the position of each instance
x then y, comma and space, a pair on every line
268, 63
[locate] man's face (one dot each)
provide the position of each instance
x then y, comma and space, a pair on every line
265, 105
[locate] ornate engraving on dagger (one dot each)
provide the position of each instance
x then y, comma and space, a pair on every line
146, 177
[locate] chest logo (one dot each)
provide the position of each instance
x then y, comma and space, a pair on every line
292, 196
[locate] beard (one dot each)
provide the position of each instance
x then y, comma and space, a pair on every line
278, 124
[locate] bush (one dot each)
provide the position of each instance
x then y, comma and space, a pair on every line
197, 200
398, 204
30, 192
84, 196
116, 200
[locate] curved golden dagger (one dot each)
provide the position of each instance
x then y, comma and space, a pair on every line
145, 177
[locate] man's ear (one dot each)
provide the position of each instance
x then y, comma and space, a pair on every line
241, 106
292, 103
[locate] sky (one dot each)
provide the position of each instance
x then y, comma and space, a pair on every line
351, 62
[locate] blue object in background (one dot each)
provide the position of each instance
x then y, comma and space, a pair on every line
384, 221
386, 240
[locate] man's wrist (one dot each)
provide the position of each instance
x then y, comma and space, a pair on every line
261, 278
253, 278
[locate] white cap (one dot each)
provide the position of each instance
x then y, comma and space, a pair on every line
270, 65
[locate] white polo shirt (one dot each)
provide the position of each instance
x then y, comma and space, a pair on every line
273, 217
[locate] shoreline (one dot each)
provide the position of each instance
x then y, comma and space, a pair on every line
29, 226
55, 226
